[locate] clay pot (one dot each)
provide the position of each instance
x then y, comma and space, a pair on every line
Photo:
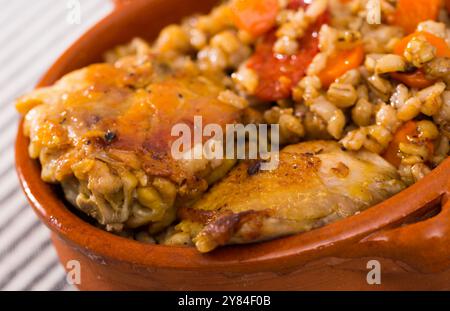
408, 234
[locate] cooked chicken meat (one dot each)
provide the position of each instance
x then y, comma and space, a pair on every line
104, 133
315, 183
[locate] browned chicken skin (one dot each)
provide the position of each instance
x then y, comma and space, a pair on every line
316, 183
104, 133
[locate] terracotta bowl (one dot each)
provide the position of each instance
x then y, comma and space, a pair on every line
408, 234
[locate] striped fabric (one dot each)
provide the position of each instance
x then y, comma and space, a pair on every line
32, 35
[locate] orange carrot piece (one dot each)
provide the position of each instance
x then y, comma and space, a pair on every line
409, 13
401, 136
409, 129
254, 16
341, 63
442, 48
416, 79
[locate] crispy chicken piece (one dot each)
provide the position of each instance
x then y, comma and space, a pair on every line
104, 133
315, 183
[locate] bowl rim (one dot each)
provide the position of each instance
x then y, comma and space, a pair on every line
288, 251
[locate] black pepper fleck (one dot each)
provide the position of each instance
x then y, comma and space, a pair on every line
254, 168
410, 69
110, 136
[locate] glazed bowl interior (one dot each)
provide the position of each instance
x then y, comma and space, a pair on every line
144, 19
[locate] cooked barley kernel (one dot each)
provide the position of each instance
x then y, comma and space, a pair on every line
414, 149
342, 95
315, 9
347, 39
227, 41
419, 171
354, 140
400, 96
427, 130
172, 37
431, 97
390, 63
334, 116
363, 92
318, 63
352, 77
435, 28
247, 78
419, 51
381, 85
442, 149
411, 159
373, 146
197, 38
211, 58
380, 134
432, 105
371, 61
310, 86
291, 124
286, 45
409, 110
231, 98
443, 115
362, 112
386, 116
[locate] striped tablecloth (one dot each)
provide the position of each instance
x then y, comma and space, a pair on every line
32, 35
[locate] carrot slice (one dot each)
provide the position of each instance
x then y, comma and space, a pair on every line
416, 79
254, 16
409, 13
402, 135
442, 48
340, 64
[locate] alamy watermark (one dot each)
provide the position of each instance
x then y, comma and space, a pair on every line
374, 275
74, 12
373, 8
73, 276
239, 142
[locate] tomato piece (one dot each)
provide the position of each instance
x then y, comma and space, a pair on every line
402, 135
254, 16
442, 48
279, 73
409, 13
297, 4
416, 79
340, 64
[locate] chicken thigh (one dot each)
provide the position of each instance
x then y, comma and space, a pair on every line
314, 184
